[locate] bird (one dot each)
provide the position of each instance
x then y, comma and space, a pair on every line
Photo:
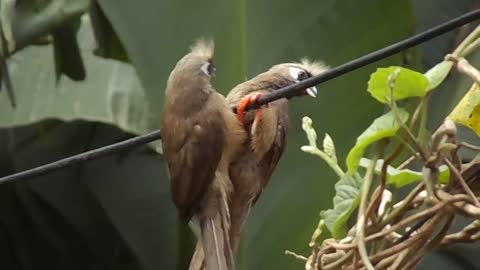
200, 135
267, 130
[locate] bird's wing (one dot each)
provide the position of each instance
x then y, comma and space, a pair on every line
271, 158
193, 148
252, 172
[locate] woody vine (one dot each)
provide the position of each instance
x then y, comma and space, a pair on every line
372, 224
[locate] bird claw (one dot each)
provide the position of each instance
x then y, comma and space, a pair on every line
250, 98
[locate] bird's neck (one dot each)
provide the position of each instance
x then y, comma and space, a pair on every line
189, 101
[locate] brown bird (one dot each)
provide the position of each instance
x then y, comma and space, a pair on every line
267, 134
200, 135
267, 130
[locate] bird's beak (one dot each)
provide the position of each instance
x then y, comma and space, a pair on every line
312, 91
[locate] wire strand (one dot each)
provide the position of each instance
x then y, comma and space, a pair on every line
288, 91
83, 157
369, 58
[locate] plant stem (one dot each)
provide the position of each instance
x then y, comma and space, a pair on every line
361, 220
393, 106
403, 205
338, 263
471, 47
462, 182
334, 165
383, 179
460, 50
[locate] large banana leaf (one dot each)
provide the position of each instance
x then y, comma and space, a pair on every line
119, 207
251, 36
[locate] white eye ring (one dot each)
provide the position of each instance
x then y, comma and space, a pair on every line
294, 72
204, 68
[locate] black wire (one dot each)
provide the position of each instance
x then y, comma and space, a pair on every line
280, 93
369, 58
85, 156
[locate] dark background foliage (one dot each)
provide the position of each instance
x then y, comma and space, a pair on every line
115, 212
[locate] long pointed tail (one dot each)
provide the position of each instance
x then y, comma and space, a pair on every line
226, 222
198, 258
213, 252
213, 244
239, 212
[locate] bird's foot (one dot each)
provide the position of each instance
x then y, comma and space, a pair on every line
250, 98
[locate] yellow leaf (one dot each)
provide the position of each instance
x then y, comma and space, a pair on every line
467, 111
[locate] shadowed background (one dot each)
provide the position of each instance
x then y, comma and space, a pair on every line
116, 212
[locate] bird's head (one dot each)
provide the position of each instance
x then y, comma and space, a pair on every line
289, 73
196, 69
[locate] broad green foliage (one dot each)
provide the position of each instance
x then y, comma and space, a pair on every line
165, 32
445, 98
111, 93
383, 127
406, 83
437, 74
346, 200
250, 36
401, 178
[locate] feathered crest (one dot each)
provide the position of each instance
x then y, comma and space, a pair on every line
314, 67
203, 47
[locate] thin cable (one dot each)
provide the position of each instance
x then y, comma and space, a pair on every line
288, 91
368, 59
85, 156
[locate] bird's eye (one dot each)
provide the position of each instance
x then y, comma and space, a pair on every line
302, 75
208, 68
298, 74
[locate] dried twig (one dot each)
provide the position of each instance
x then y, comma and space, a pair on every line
470, 233
462, 182
428, 204
465, 67
300, 257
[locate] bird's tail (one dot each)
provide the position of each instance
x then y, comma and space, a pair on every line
213, 252
239, 214
198, 258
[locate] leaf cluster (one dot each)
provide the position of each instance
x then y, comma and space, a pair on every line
405, 183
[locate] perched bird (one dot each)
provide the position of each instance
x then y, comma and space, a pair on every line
267, 130
200, 136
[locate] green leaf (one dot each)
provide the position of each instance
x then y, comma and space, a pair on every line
246, 44
7, 11
383, 127
120, 204
110, 94
437, 74
407, 83
32, 20
108, 43
345, 201
467, 111
54, 221
154, 53
401, 178
446, 96
67, 55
